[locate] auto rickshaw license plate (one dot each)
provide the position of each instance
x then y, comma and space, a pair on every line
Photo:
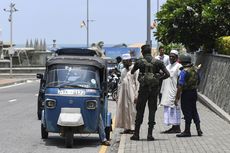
71, 92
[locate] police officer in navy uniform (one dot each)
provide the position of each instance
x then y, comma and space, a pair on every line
187, 90
147, 92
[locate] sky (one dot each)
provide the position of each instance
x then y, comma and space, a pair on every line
113, 21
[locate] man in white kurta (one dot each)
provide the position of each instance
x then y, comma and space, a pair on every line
127, 93
162, 56
169, 90
165, 59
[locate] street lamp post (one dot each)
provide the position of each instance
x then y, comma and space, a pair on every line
149, 42
1, 45
87, 21
86, 25
11, 50
158, 5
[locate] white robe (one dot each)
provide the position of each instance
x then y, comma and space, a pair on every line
169, 90
127, 92
169, 85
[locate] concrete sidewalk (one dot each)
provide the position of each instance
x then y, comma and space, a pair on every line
216, 138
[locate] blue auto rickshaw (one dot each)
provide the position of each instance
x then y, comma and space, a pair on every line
75, 94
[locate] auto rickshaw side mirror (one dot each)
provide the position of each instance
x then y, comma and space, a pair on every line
39, 76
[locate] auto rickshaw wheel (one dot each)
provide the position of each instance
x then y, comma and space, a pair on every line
39, 109
44, 133
39, 116
69, 138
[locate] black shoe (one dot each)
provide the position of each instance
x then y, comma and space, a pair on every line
184, 134
105, 143
127, 132
173, 129
176, 130
150, 138
171, 132
134, 137
167, 131
199, 133
124, 132
131, 132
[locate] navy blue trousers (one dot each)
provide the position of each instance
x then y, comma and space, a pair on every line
188, 106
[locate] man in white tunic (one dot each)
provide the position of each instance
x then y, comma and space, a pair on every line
165, 59
162, 56
127, 95
169, 90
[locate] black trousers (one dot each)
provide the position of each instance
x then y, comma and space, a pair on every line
188, 106
145, 95
159, 90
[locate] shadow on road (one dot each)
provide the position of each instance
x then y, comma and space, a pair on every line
79, 141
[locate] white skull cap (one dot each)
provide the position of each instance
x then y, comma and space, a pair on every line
126, 56
174, 52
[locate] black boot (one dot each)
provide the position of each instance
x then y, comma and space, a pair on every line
186, 132
136, 133
150, 134
173, 129
168, 131
176, 129
199, 132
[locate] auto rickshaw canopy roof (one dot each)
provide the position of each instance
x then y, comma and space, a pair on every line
76, 52
78, 60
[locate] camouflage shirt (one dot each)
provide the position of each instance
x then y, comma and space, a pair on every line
189, 78
157, 65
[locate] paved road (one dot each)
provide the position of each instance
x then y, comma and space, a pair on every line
20, 129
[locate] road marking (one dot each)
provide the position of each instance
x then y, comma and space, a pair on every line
12, 100
104, 148
113, 123
29, 81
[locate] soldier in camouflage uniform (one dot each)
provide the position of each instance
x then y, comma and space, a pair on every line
187, 90
148, 90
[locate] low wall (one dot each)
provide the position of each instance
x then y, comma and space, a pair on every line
215, 79
26, 70
38, 58
4, 63
27, 58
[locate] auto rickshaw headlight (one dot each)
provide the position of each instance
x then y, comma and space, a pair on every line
91, 104
50, 103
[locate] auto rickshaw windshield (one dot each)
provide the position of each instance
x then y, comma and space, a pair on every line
73, 76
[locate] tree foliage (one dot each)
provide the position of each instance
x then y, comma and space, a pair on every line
193, 23
216, 18
223, 45
169, 47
